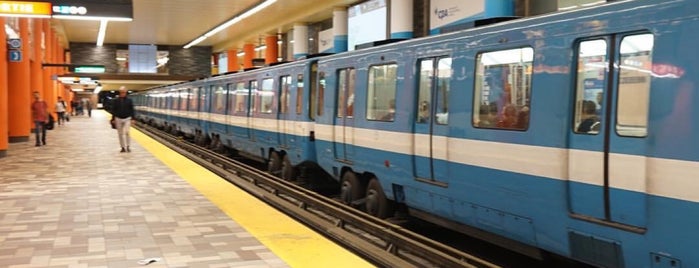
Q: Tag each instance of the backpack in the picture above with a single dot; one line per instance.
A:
(49, 125)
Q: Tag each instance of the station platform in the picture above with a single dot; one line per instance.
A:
(79, 202)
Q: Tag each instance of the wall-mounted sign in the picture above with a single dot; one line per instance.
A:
(15, 55)
(14, 43)
(113, 9)
(21, 8)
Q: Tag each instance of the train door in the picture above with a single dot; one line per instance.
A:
(284, 124)
(343, 136)
(429, 141)
(607, 162)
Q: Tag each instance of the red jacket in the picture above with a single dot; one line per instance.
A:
(39, 111)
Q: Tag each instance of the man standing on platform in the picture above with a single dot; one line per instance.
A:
(40, 115)
(123, 112)
(61, 110)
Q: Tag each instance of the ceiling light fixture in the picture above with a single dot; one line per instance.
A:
(102, 32)
(230, 22)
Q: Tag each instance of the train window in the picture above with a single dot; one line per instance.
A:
(635, 61)
(425, 90)
(265, 96)
(443, 77)
(503, 88)
(381, 93)
(592, 65)
(193, 100)
(321, 93)
(218, 99)
(299, 94)
(284, 92)
(252, 105)
(183, 96)
(345, 94)
(203, 98)
(241, 94)
(230, 108)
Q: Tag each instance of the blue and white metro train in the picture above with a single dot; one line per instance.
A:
(573, 133)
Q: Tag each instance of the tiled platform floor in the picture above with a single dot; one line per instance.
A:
(78, 202)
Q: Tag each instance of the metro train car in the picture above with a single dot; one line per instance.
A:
(571, 133)
(258, 113)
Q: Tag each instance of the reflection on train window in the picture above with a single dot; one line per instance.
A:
(636, 60)
(218, 99)
(425, 90)
(203, 99)
(265, 96)
(241, 94)
(590, 86)
(284, 93)
(381, 92)
(503, 88)
(345, 94)
(184, 98)
(443, 76)
(299, 94)
(252, 105)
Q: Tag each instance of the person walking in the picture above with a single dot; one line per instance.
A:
(60, 110)
(123, 112)
(40, 116)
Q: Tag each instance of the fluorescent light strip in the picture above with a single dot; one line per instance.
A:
(26, 16)
(231, 22)
(102, 32)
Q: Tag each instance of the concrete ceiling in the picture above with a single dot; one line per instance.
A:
(178, 22)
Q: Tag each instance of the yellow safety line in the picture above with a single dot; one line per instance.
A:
(296, 244)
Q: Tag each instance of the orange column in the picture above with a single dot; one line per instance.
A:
(271, 50)
(50, 89)
(37, 75)
(19, 98)
(47, 85)
(3, 94)
(233, 65)
(249, 50)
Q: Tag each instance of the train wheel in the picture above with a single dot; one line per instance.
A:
(274, 164)
(376, 203)
(351, 189)
(287, 173)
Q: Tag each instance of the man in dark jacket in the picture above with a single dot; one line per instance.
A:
(122, 112)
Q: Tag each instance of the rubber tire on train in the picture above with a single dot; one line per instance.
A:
(351, 188)
(287, 170)
(376, 203)
(274, 164)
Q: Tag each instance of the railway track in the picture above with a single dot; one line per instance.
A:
(380, 242)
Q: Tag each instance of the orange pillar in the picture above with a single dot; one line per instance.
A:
(19, 98)
(37, 75)
(47, 85)
(3, 94)
(50, 89)
(233, 65)
(271, 50)
(249, 50)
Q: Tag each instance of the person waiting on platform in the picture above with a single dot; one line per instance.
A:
(123, 112)
(40, 117)
(61, 110)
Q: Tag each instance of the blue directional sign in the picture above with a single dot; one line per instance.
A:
(15, 55)
(14, 43)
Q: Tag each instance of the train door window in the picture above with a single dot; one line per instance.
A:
(252, 105)
(266, 96)
(299, 94)
(203, 98)
(194, 100)
(321, 93)
(381, 93)
(284, 93)
(635, 61)
(182, 99)
(313, 84)
(230, 96)
(425, 90)
(503, 88)
(218, 99)
(345, 94)
(241, 94)
(443, 77)
(592, 67)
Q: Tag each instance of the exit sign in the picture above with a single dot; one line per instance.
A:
(89, 69)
